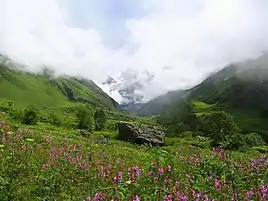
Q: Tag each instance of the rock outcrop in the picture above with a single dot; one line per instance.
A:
(141, 134)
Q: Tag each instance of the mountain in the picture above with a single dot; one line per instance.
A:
(44, 89)
(157, 106)
(241, 88)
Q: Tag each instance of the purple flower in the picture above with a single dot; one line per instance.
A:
(120, 176)
(99, 196)
(167, 180)
(218, 184)
(153, 164)
(168, 198)
(3, 123)
(44, 166)
(136, 198)
(151, 173)
(264, 191)
(88, 199)
(160, 171)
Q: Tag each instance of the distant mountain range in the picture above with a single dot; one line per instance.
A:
(242, 88)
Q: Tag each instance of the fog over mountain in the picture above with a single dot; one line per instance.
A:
(134, 50)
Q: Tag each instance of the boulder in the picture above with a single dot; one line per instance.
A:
(141, 134)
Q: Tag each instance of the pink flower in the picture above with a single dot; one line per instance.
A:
(167, 180)
(264, 191)
(168, 198)
(218, 184)
(136, 198)
(3, 123)
(169, 168)
(100, 196)
(153, 164)
(88, 199)
(160, 171)
(44, 166)
(120, 176)
(155, 180)
(151, 173)
(79, 157)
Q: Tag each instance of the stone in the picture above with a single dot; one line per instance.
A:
(141, 134)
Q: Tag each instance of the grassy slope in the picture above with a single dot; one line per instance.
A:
(25, 89)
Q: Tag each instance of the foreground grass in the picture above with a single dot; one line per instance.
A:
(43, 165)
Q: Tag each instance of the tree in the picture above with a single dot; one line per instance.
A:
(84, 118)
(221, 128)
(30, 116)
(100, 119)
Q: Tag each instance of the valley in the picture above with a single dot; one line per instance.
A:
(60, 139)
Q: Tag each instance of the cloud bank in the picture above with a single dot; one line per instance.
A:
(178, 42)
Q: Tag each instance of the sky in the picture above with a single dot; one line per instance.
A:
(148, 46)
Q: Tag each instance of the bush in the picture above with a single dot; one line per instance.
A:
(16, 114)
(84, 118)
(222, 129)
(254, 139)
(100, 120)
(30, 116)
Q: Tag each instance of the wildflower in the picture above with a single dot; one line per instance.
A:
(54, 153)
(155, 180)
(160, 171)
(169, 168)
(136, 198)
(167, 180)
(3, 123)
(153, 164)
(120, 176)
(264, 191)
(206, 198)
(151, 173)
(88, 199)
(134, 172)
(168, 198)
(211, 178)
(79, 157)
(44, 166)
(250, 194)
(218, 184)
(99, 196)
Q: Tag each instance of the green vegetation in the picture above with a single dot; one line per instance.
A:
(59, 141)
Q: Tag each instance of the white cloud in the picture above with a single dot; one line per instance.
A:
(178, 41)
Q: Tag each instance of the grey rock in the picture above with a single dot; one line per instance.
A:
(141, 134)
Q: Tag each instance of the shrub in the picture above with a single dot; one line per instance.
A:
(100, 119)
(30, 116)
(253, 139)
(221, 128)
(16, 114)
(84, 118)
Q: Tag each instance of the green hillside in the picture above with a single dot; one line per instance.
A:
(37, 89)
(241, 89)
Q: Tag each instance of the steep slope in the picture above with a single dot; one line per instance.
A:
(241, 88)
(157, 106)
(39, 89)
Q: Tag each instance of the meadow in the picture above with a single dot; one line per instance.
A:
(37, 163)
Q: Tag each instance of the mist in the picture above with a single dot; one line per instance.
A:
(166, 45)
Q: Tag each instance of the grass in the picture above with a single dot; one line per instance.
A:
(45, 162)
